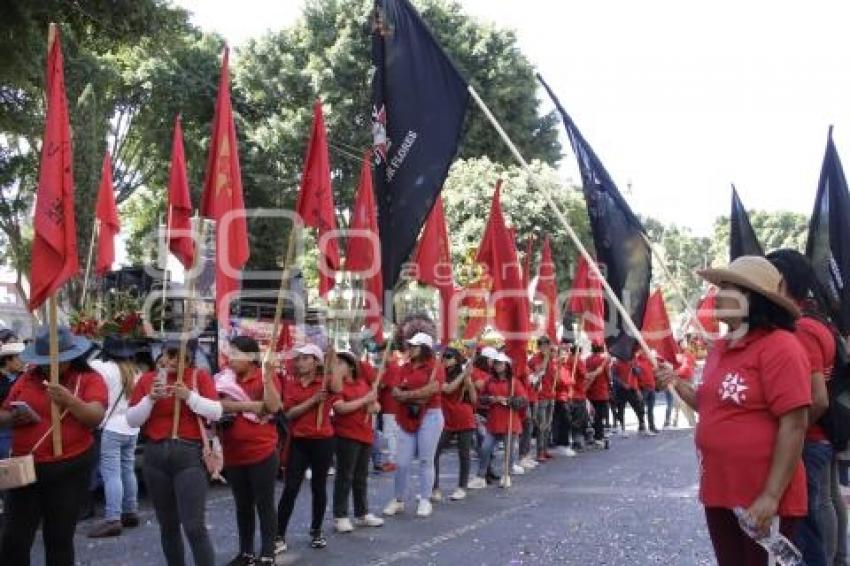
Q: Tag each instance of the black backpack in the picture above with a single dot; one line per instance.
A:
(836, 420)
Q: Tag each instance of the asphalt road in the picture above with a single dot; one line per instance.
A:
(632, 504)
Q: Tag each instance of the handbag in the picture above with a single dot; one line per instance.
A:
(212, 453)
(19, 471)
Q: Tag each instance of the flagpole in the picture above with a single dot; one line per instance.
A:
(94, 232)
(627, 320)
(187, 319)
(168, 221)
(54, 373)
(677, 289)
(294, 234)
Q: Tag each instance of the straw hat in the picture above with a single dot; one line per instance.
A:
(756, 274)
(70, 348)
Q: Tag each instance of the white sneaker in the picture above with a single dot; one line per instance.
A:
(569, 452)
(476, 483)
(436, 496)
(517, 470)
(369, 520)
(425, 508)
(343, 525)
(394, 507)
(308, 475)
(331, 471)
(458, 494)
(528, 463)
(647, 433)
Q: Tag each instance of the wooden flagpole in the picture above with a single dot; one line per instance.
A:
(383, 369)
(188, 309)
(506, 474)
(95, 230)
(627, 320)
(165, 271)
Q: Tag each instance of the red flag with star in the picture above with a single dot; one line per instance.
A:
(434, 262)
(315, 199)
(54, 248)
(222, 200)
(106, 213)
(364, 252)
(179, 211)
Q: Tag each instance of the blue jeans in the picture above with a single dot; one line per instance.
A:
(423, 445)
(117, 462)
(814, 534)
(487, 447)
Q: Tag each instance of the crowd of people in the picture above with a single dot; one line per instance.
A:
(324, 413)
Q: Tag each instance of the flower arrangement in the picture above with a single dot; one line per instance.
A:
(118, 314)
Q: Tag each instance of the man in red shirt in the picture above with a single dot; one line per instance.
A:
(543, 378)
(646, 381)
(626, 390)
(598, 390)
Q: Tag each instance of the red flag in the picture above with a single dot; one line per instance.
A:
(475, 301)
(526, 271)
(315, 199)
(284, 338)
(222, 199)
(434, 262)
(656, 328)
(547, 286)
(364, 253)
(54, 248)
(179, 211)
(588, 300)
(705, 311)
(498, 253)
(107, 215)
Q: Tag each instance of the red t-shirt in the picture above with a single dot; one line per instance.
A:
(159, 423)
(599, 387)
(646, 373)
(746, 388)
(546, 390)
(389, 406)
(247, 442)
(304, 426)
(356, 425)
(412, 377)
(687, 366)
(76, 437)
(458, 414)
(818, 342)
(624, 374)
(499, 415)
(564, 389)
(579, 380)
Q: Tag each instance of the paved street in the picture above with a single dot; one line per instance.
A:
(633, 504)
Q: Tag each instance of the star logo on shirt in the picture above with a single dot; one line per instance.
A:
(733, 388)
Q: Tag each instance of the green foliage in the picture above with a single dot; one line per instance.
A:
(779, 229)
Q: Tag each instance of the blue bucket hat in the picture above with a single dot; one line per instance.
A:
(71, 347)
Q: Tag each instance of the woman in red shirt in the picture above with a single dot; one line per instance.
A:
(174, 471)
(306, 395)
(753, 405)
(598, 388)
(61, 485)
(505, 396)
(420, 421)
(353, 409)
(249, 440)
(684, 370)
(459, 399)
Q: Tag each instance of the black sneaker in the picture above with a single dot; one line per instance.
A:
(244, 559)
(279, 545)
(317, 540)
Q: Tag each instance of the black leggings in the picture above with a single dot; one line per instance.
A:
(177, 484)
(635, 400)
(253, 492)
(561, 423)
(464, 445)
(316, 454)
(54, 500)
(352, 476)
(600, 414)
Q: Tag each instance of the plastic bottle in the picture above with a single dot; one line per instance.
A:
(778, 547)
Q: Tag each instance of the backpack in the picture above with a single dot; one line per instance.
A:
(836, 420)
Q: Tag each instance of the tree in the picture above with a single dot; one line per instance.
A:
(326, 54)
(129, 66)
(775, 229)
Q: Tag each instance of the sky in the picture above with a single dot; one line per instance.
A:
(679, 99)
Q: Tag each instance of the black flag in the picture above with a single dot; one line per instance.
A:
(618, 236)
(419, 102)
(828, 245)
(742, 237)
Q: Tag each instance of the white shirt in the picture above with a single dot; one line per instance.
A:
(118, 419)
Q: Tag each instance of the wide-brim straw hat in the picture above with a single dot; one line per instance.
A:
(756, 274)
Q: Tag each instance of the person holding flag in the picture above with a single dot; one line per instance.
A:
(543, 366)
(598, 365)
